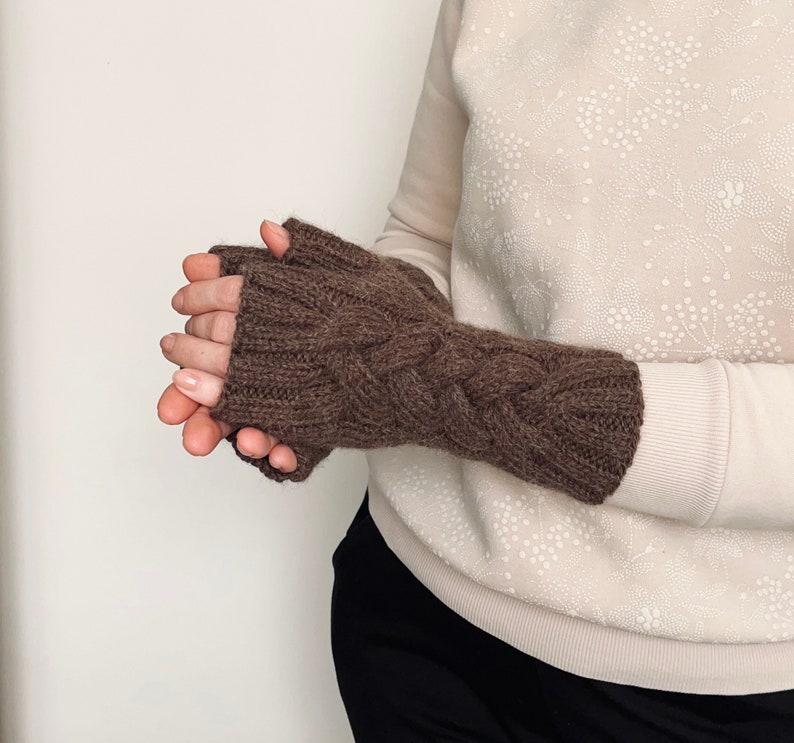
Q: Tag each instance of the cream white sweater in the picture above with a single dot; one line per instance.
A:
(617, 174)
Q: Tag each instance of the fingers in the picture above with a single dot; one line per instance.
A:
(255, 443)
(173, 407)
(283, 458)
(275, 237)
(204, 266)
(196, 353)
(209, 295)
(199, 386)
(213, 326)
(208, 291)
(201, 267)
(212, 301)
(202, 433)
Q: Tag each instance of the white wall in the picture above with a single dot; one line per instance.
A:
(149, 596)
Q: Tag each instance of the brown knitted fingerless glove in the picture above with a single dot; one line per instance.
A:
(336, 346)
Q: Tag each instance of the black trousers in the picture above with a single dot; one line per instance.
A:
(410, 669)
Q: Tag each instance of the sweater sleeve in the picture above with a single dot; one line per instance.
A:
(716, 446)
(422, 214)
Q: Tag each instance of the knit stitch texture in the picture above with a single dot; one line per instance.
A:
(336, 346)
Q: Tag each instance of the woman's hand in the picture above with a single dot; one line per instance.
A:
(203, 352)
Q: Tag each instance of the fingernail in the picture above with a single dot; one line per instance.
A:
(178, 301)
(181, 378)
(167, 342)
(276, 228)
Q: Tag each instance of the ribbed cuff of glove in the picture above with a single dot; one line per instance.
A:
(336, 346)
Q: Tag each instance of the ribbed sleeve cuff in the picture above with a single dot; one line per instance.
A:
(678, 470)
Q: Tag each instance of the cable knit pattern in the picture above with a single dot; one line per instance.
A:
(336, 346)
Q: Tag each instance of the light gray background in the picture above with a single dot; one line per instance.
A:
(147, 595)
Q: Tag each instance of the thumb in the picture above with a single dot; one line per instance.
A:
(275, 237)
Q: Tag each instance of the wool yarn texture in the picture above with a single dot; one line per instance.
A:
(336, 346)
